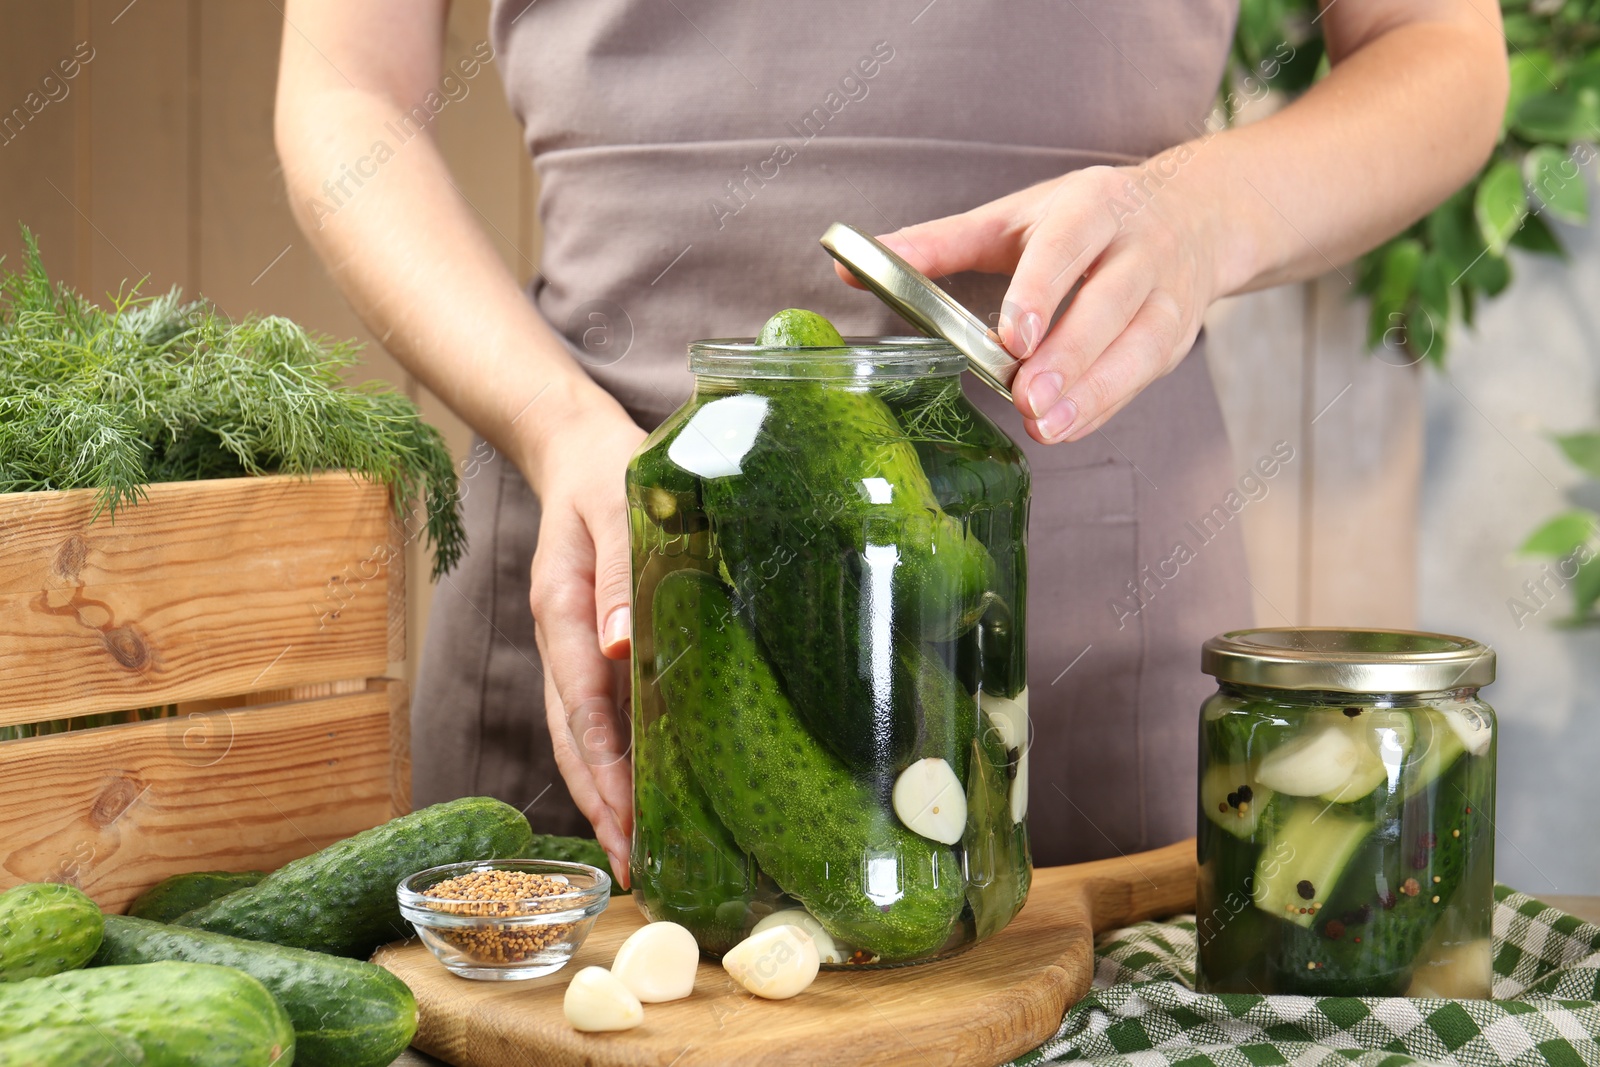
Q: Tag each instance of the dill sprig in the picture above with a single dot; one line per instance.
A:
(156, 389)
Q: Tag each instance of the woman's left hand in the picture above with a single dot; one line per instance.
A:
(1140, 246)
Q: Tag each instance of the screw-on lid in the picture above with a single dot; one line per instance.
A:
(923, 304)
(1348, 661)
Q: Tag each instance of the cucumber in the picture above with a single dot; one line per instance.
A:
(999, 868)
(181, 1014)
(989, 657)
(46, 928)
(172, 897)
(1366, 940)
(798, 328)
(823, 836)
(71, 1046)
(346, 1013)
(836, 544)
(573, 850)
(945, 713)
(1303, 859)
(1232, 798)
(341, 900)
(1245, 733)
(1232, 935)
(688, 867)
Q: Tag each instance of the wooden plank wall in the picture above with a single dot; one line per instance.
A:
(157, 161)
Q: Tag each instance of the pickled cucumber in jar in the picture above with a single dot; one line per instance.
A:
(808, 602)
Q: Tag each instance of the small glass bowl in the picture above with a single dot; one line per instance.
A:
(505, 940)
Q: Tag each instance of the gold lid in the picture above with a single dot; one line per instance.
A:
(1348, 661)
(922, 303)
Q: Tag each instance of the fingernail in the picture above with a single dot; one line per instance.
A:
(1026, 333)
(1043, 391)
(616, 631)
(1057, 422)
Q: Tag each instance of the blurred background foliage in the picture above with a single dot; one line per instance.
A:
(1424, 280)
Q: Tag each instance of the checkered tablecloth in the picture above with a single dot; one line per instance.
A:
(1143, 1010)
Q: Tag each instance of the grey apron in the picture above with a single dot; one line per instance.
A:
(689, 154)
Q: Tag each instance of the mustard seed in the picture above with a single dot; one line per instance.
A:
(500, 893)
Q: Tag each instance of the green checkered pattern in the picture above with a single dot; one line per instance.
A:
(1143, 1010)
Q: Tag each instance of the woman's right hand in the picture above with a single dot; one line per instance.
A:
(580, 600)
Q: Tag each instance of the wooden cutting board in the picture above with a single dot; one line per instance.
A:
(985, 1006)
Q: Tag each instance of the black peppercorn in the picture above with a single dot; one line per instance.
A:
(1306, 889)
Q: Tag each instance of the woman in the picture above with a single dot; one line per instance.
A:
(689, 155)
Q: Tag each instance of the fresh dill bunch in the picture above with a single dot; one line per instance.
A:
(156, 389)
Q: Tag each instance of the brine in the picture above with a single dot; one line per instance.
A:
(830, 703)
(1346, 843)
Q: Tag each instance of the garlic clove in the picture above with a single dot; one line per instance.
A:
(597, 1001)
(1010, 718)
(930, 801)
(777, 963)
(657, 962)
(828, 950)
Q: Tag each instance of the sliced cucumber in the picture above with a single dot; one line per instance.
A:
(1384, 739)
(1304, 857)
(1436, 751)
(1323, 760)
(1232, 799)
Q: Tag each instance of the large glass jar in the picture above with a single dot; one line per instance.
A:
(830, 712)
(1346, 837)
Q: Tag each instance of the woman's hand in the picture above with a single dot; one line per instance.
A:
(579, 595)
(1147, 276)
(1410, 109)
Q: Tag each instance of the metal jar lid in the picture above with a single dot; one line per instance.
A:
(1348, 661)
(922, 303)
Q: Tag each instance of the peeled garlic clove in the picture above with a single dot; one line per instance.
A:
(1010, 718)
(828, 950)
(597, 1001)
(657, 962)
(776, 964)
(930, 801)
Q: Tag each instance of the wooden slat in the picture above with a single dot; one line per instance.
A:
(399, 748)
(116, 809)
(206, 589)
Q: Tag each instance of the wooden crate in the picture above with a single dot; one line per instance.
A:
(266, 611)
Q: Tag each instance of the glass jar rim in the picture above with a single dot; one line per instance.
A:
(859, 357)
(1348, 660)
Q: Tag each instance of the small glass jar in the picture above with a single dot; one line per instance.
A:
(1346, 829)
(830, 712)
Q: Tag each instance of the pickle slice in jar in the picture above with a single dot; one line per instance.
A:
(1233, 799)
(1304, 857)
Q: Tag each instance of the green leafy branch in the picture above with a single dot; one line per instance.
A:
(1569, 538)
(156, 389)
(1439, 269)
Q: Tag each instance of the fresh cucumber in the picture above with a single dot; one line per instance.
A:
(71, 1046)
(172, 897)
(181, 1014)
(573, 850)
(688, 867)
(823, 836)
(998, 865)
(46, 928)
(1368, 937)
(341, 900)
(346, 1013)
(798, 328)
